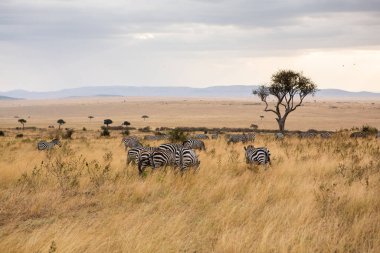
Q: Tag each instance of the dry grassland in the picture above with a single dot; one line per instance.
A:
(173, 112)
(318, 196)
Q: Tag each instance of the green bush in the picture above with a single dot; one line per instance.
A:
(19, 135)
(369, 129)
(177, 135)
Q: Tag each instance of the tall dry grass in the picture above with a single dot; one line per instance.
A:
(318, 196)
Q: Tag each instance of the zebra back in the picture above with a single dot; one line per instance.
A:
(42, 145)
(201, 136)
(173, 147)
(259, 155)
(194, 144)
(186, 158)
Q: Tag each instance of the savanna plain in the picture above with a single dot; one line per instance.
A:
(318, 195)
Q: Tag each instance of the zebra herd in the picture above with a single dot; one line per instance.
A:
(182, 155)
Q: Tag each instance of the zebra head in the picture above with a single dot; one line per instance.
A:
(56, 142)
(248, 147)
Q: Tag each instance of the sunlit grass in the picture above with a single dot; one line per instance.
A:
(318, 196)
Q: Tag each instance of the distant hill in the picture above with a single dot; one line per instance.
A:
(7, 98)
(213, 91)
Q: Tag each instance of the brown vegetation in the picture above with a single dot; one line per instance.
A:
(319, 195)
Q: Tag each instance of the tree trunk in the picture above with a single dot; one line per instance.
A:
(22, 127)
(59, 126)
(281, 124)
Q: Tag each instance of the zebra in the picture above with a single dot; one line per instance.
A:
(201, 136)
(307, 135)
(279, 136)
(234, 138)
(214, 136)
(155, 159)
(155, 137)
(173, 147)
(42, 145)
(325, 135)
(131, 142)
(134, 153)
(186, 158)
(194, 144)
(257, 155)
(358, 135)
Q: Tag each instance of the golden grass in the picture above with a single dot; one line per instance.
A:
(318, 196)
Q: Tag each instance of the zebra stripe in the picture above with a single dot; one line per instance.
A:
(155, 137)
(307, 135)
(201, 136)
(173, 147)
(131, 142)
(257, 155)
(42, 145)
(234, 138)
(134, 153)
(325, 135)
(186, 158)
(159, 158)
(194, 144)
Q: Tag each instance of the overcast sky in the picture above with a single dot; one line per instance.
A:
(54, 44)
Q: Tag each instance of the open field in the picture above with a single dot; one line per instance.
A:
(318, 196)
(172, 112)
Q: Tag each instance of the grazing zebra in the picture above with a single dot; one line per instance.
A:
(201, 136)
(155, 137)
(42, 145)
(279, 136)
(194, 144)
(131, 142)
(307, 135)
(214, 136)
(358, 135)
(325, 135)
(172, 147)
(156, 159)
(234, 138)
(186, 158)
(257, 155)
(134, 153)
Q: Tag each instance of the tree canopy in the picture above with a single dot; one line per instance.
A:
(289, 89)
(108, 122)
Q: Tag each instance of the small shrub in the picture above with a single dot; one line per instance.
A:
(2, 133)
(145, 129)
(177, 135)
(125, 132)
(84, 129)
(369, 129)
(68, 134)
(19, 135)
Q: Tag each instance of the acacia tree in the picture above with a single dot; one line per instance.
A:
(145, 117)
(126, 123)
(60, 122)
(22, 121)
(90, 117)
(108, 122)
(289, 89)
